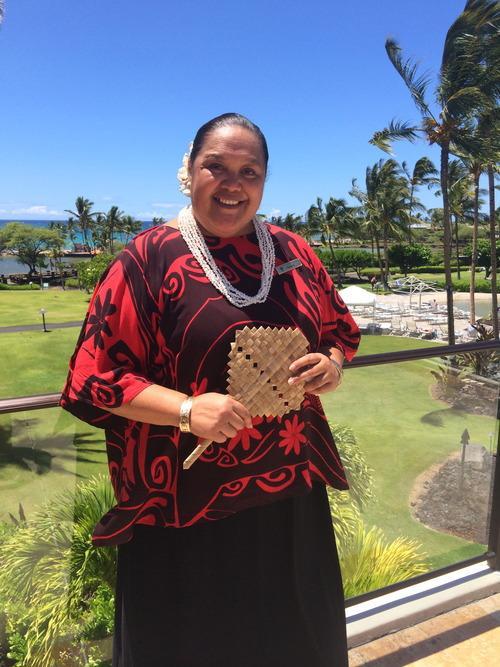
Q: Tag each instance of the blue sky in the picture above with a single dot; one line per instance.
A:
(101, 97)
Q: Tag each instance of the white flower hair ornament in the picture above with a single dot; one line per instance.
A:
(183, 173)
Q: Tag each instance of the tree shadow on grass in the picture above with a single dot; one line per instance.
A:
(34, 459)
(436, 417)
(88, 438)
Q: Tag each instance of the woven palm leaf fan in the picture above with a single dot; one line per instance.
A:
(258, 374)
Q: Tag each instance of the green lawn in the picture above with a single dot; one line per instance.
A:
(34, 362)
(403, 431)
(464, 275)
(24, 307)
(43, 452)
(401, 428)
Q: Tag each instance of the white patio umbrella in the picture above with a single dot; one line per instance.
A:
(413, 285)
(357, 296)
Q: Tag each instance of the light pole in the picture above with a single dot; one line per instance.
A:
(42, 312)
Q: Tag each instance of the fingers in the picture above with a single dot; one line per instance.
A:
(319, 374)
(218, 417)
(314, 364)
(243, 414)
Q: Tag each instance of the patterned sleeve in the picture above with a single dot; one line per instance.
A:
(117, 354)
(338, 328)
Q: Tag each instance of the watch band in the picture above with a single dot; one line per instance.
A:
(185, 415)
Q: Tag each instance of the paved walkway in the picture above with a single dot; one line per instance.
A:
(464, 637)
(39, 327)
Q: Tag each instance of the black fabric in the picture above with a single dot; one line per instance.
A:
(259, 589)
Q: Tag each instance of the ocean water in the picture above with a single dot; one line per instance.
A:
(11, 265)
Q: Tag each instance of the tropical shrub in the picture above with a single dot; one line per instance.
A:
(483, 254)
(367, 559)
(49, 567)
(407, 256)
(90, 272)
(481, 285)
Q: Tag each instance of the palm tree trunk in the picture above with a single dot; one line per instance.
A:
(493, 243)
(379, 258)
(410, 210)
(335, 266)
(473, 259)
(445, 152)
(456, 244)
(386, 259)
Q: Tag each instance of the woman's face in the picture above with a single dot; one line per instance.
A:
(227, 181)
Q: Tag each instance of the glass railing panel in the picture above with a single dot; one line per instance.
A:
(427, 431)
(56, 591)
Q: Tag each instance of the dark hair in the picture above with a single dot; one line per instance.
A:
(225, 120)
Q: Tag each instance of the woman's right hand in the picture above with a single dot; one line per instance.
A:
(217, 417)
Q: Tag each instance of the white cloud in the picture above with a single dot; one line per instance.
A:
(106, 198)
(166, 205)
(274, 212)
(149, 215)
(35, 210)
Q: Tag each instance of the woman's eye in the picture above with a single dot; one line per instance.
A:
(250, 172)
(216, 167)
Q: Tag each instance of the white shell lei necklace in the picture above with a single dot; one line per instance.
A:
(196, 243)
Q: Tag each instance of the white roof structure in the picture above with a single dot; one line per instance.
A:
(357, 296)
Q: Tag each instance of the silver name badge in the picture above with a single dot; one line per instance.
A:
(288, 266)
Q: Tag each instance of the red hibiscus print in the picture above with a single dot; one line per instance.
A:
(97, 325)
(292, 435)
(197, 389)
(244, 436)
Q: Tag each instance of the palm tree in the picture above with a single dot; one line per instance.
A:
(113, 222)
(333, 221)
(290, 222)
(385, 207)
(480, 147)
(459, 95)
(424, 173)
(461, 200)
(2, 11)
(84, 217)
(130, 227)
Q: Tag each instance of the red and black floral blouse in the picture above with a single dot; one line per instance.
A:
(155, 318)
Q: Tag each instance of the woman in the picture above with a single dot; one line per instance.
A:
(232, 562)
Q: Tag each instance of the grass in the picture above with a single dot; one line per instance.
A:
(403, 431)
(34, 362)
(18, 308)
(400, 427)
(42, 453)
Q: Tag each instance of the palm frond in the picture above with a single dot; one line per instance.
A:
(396, 131)
(408, 71)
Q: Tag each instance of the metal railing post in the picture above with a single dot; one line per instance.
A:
(494, 527)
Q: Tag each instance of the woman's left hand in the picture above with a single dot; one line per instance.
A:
(319, 374)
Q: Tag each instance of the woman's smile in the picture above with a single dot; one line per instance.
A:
(227, 181)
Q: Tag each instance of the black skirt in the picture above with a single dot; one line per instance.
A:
(259, 589)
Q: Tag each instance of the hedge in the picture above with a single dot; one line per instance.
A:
(19, 288)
